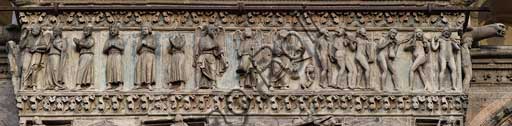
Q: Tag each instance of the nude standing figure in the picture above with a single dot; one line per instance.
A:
(417, 43)
(447, 48)
(387, 52)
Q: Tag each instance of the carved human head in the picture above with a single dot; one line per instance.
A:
(361, 32)
(418, 33)
(146, 30)
(114, 29)
(210, 30)
(248, 32)
(392, 33)
(57, 30)
(446, 32)
(324, 31)
(178, 118)
(341, 32)
(283, 33)
(36, 29)
(88, 30)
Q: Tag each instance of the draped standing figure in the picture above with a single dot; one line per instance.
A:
(114, 47)
(56, 60)
(85, 74)
(177, 67)
(145, 68)
(210, 58)
(28, 38)
(38, 61)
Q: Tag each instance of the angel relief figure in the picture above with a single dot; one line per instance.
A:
(246, 51)
(210, 60)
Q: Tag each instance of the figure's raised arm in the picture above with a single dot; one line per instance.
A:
(435, 43)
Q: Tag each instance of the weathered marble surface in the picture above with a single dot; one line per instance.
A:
(287, 58)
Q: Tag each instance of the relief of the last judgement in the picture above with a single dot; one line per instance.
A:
(274, 66)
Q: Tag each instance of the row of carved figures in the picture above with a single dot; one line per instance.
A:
(349, 55)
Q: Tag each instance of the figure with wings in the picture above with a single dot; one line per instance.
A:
(246, 51)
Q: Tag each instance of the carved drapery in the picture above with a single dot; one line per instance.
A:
(322, 63)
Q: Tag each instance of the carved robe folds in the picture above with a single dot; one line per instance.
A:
(210, 61)
(29, 37)
(114, 48)
(39, 58)
(56, 61)
(145, 68)
(176, 69)
(85, 73)
(246, 52)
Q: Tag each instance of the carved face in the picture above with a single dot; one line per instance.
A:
(283, 33)
(341, 32)
(178, 118)
(87, 31)
(446, 33)
(146, 30)
(114, 30)
(210, 30)
(36, 30)
(418, 33)
(248, 32)
(500, 29)
(362, 32)
(324, 31)
(57, 31)
(392, 33)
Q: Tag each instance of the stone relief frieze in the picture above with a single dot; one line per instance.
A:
(98, 104)
(121, 62)
(347, 51)
(261, 19)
